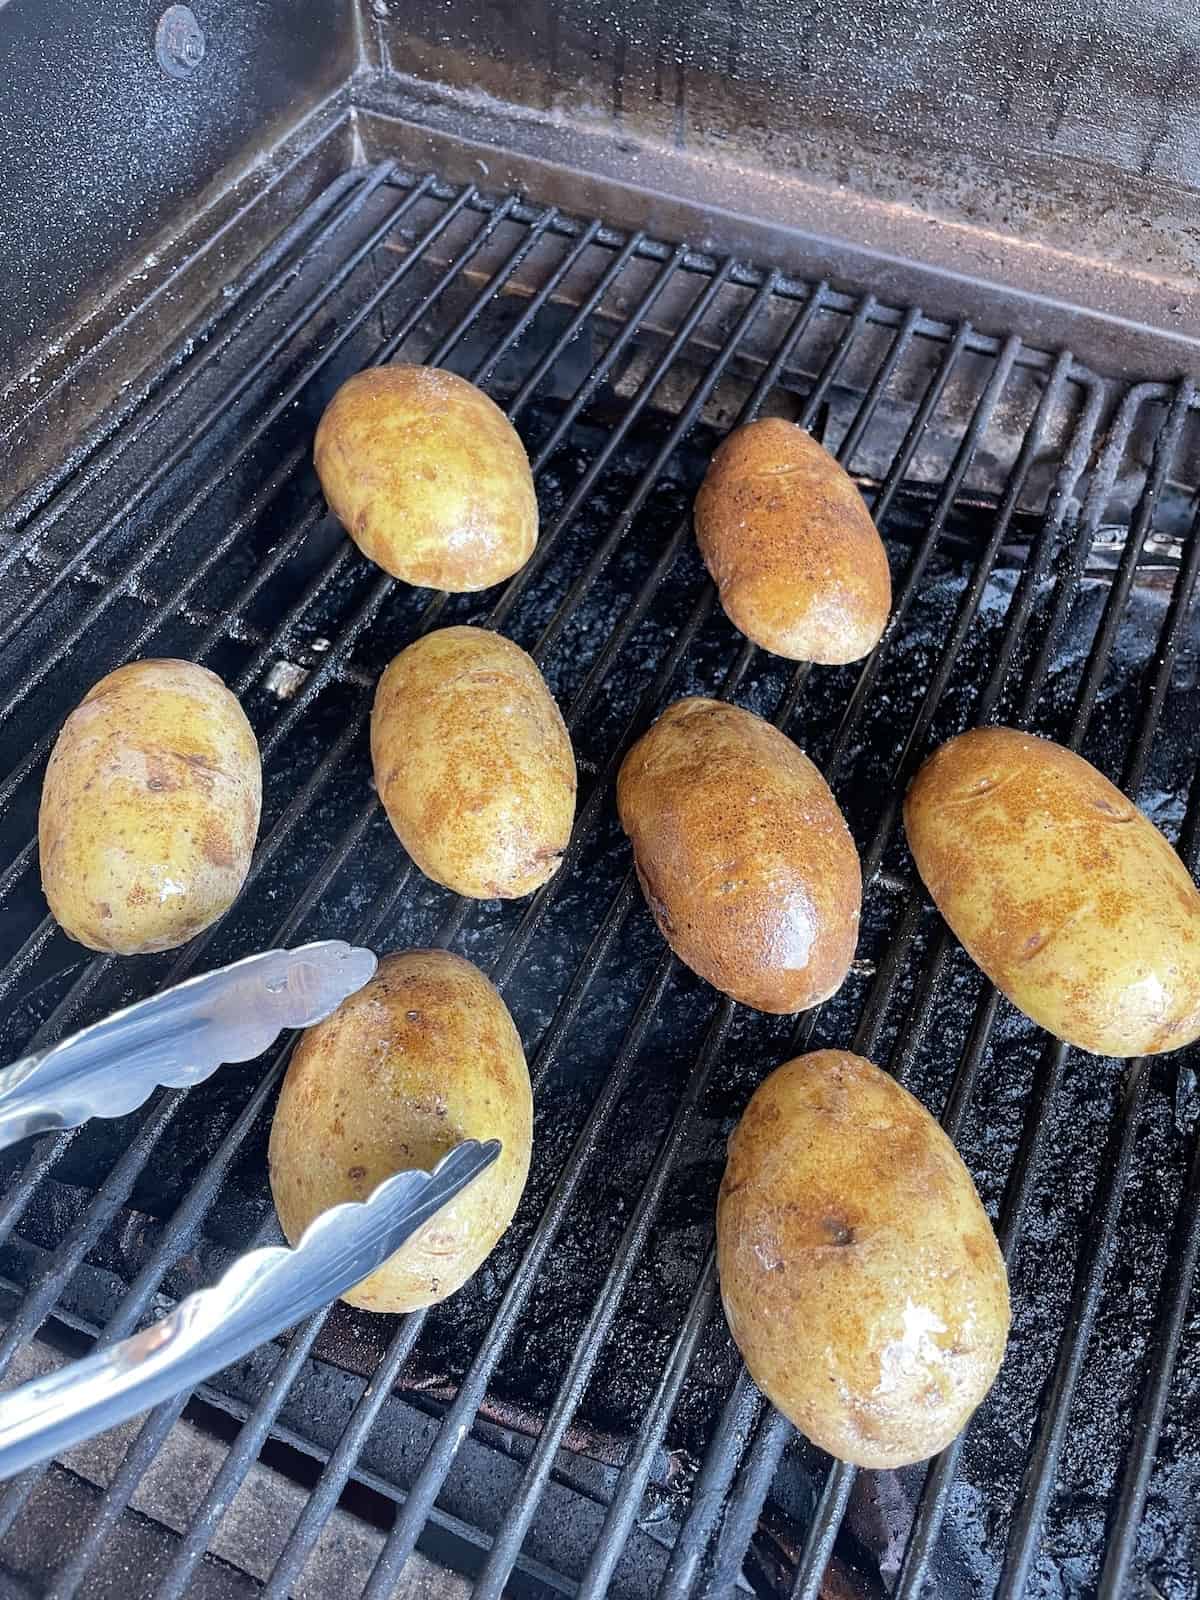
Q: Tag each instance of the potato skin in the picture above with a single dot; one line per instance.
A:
(791, 547)
(473, 763)
(859, 1272)
(744, 858)
(1070, 900)
(428, 477)
(149, 809)
(422, 1057)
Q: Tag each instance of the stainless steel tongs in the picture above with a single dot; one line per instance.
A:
(175, 1039)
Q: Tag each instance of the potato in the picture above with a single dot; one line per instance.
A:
(149, 808)
(1069, 898)
(473, 763)
(791, 547)
(742, 854)
(422, 1057)
(859, 1272)
(428, 477)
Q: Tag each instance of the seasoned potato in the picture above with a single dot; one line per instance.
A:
(422, 1057)
(791, 547)
(149, 808)
(742, 854)
(1069, 899)
(428, 477)
(473, 763)
(859, 1272)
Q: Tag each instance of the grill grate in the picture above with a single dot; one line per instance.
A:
(634, 1455)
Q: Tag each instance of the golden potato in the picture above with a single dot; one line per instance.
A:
(791, 547)
(859, 1272)
(743, 856)
(422, 1057)
(473, 763)
(428, 477)
(149, 808)
(1070, 900)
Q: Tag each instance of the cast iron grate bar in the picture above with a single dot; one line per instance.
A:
(837, 1489)
(246, 1449)
(1040, 1474)
(33, 513)
(588, 268)
(121, 1177)
(508, 1542)
(67, 1009)
(836, 1493)
(36, 1305)
(425, 1489)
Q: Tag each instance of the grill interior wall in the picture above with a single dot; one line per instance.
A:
(198, 530)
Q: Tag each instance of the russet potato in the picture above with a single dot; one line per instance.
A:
(149, 809)
(744, 858)
(791, 547)
(473, 763)
(1070, 900)
(423, 1056)
(428, 477)
(860, 1275)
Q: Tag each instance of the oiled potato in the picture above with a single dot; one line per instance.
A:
(1069, 899)
(149, 808)
(422, 1057)
(791, 547)
(859, 1272)
(428, 477)
(473, 763)
(743, 856)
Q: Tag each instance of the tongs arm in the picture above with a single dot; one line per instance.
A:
(261, 1294)
(178, 1037)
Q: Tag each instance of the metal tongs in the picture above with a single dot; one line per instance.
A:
(175, 1039)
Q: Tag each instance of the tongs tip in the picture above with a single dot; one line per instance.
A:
(322, 975)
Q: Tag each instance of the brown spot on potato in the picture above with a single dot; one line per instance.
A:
(161, 776)
(976, 1247)
(216, 845)
(661, 913)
